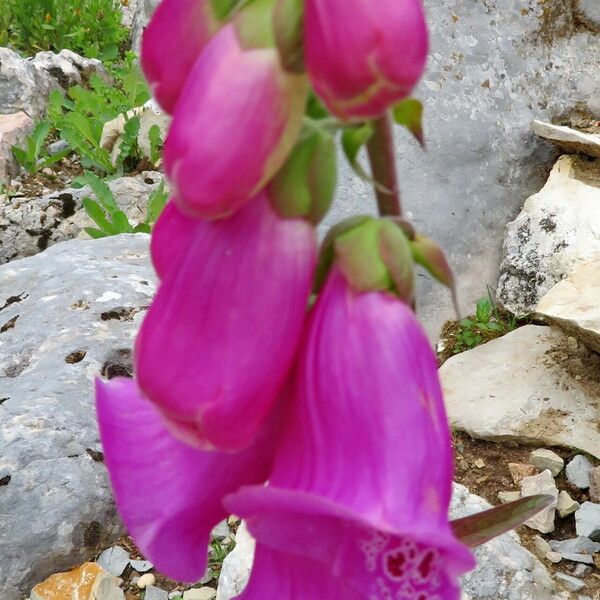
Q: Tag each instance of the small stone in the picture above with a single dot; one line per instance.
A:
(572, 343)
(154, 593)
(146, 580)
(595, 484)
(57, 147)
(587, 521)
(582, 570)
(141, 566)
(73, 584)
(203, 593)
(175, 595)
(506, 497)
(221, 530)
(578, 545)
(520, 470)
(571, 583)
(578, 558)
(554, 557)
(106, 588)
(233, 520)
(541, 484)
(541, 545)
(578, 471)
(114, 560)
(48, 171)
(479, 463)
(544, 459)
(566, 505)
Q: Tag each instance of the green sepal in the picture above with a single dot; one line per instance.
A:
(480, 528)
(288, 26)
(353, 139)
(409, 113)
(223, 8)
(304, 186)
(396, 254)
(430, 256)
(254, 24)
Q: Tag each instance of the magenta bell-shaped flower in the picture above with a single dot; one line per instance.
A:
(218, 341)
(357, 502)
(237, 120)
(364, 55)
(173, 40)
(169, 494)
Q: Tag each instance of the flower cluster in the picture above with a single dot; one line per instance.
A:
(242, 377)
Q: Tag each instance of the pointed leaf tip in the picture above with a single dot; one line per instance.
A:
(480, 528)
(409, 113)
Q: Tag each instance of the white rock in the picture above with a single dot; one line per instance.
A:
(587, 521)
(542, 547)
(221, 531)
(544, 459)
(569, 139)
(142, 12)
(23, 87)
(114, 560)
(582, 570)
(146, 580)
(14, 128)
(237, 565)
(578, 545)
(570, 582)
(506, 497)
(525, 391)
(203, 593)
(572, 304)
(554, 557)
(590, 12)
(578, 471)
(558, 228)
(141, 566)
(541, 484)
(106, 588)
(566, 505)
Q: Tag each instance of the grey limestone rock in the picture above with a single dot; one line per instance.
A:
(67, 315)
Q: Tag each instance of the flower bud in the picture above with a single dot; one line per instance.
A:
(236, 122)
(305, 185)
(173, 40)
(364, 55)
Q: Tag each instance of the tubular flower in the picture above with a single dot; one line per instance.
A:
(361, 483)
(176, 35)
(237, 120)
(364, 55)
(169, 494)
(219, 339)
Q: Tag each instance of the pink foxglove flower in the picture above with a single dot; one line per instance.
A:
(219, 339)
(176, 35)
(169, 495)
(364, 55)
(237, 120)
(357, 503)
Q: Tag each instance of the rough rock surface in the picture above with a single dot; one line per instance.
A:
(68, 67)
(493, 68)
(14, 128)
(141, 15)
(573, 304)
(529, 386)
(29, 225)
(558, 228)
(505, 570)
(23, 87)
(66, 316)
(237, 565)
(569, 139)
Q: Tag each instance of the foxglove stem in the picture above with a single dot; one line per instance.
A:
(383, 168)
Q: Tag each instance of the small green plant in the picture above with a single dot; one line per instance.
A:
(34, 156)
(107, 215)
(486, 324)
(218, 553)
(89, 27)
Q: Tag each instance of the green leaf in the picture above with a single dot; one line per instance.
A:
(129, 146)
(142, 228)
(409, 113)
(482, 527)
(483, 311)
(353, 139)
(94, 233)
(97, 214)
(102, 191)
(23, 158)
(156, 203)
(121, 223)
(156, 143)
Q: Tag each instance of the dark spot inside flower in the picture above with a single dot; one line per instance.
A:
(424, 567)
(96, 456)
(75, 357)
(9, 324)
(5, 480)
(395, 564)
